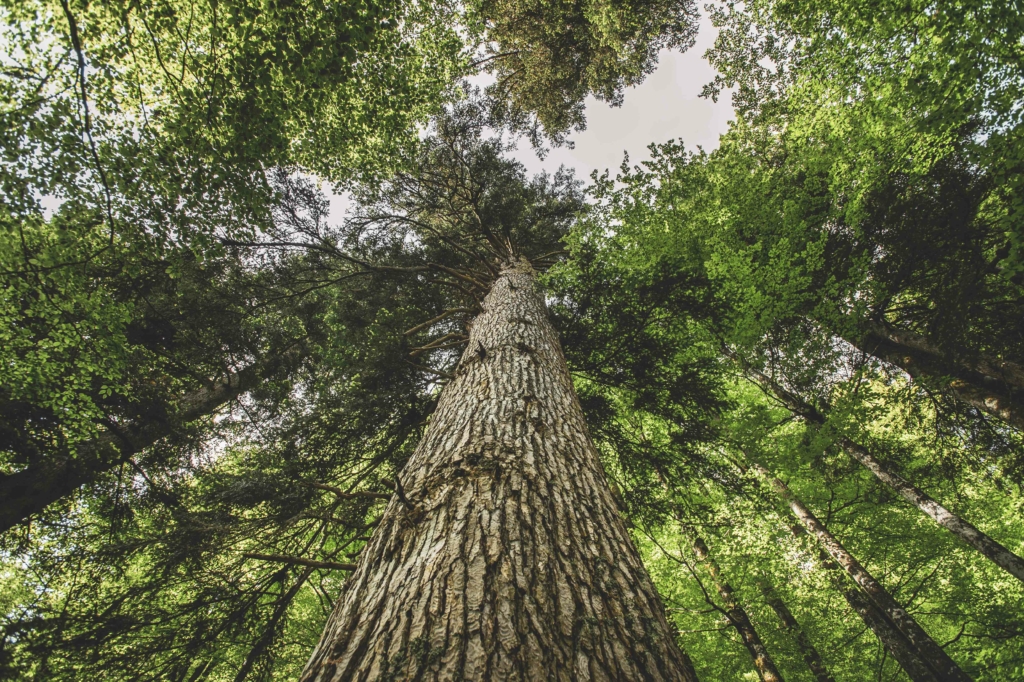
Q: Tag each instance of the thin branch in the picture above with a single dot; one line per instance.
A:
(434, 320)
(416, 352)
(300, 561)
(364, 494)
(423, 368)
(464, 277)
(76, 42)
(481, 62)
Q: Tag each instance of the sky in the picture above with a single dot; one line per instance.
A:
(666, 106)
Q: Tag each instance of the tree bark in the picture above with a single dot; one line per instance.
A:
(989, 385)
(980, 541)
(945, 669)
(507, 559)
(993, 550)
(894, 641)
(767, 671)
(39, 485)
(807, 649)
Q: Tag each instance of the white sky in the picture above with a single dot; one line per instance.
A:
(665, 106)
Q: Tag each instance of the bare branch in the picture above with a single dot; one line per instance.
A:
(301, 561)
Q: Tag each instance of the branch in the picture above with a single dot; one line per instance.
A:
(455, 273)
(300, 561)
(423, 368)
(346, 495)
(438, 344)
(76, 42)
(447, 313)
(481, 62)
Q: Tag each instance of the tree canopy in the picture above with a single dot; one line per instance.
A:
(800, 355)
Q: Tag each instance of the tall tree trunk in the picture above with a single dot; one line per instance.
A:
(996, 552)
(502, 555)
(945, 669)
(767, 671)
(992, 386)
(807, 649)
(894, 641)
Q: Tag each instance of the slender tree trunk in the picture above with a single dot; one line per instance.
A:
(807, 649)
(894, 641)
(1000, 555)
(767, 671)
(53, 477)
(502, 555)
(931, 653)
(992, 386)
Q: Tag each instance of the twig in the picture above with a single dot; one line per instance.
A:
(346, 495)
(300, 561)
(434, 320)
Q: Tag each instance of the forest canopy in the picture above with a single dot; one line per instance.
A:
(747, 413)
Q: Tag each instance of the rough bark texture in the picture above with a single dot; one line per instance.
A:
(1000, 555)
(507, 558)
(807, 649)
(945, 669)
(989, 385)
(767, 671)
(32, 489)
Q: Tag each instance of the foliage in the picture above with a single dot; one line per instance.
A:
(549, 56)
(164, 233)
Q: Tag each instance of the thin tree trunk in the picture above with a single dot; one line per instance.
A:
(945, 669)
(996, 552)
(53, 477)
(767, 671)
(894, 641)
(807, 649)
(999, 555)
(990, 385)
(502, 555)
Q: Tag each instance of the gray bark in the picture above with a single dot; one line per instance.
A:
(55, 476)
(894, 641)
(996, 552)
(990, 385)
(767, 671)
(980, 541)
(807, 649)
(503, 556)
(945, 669)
